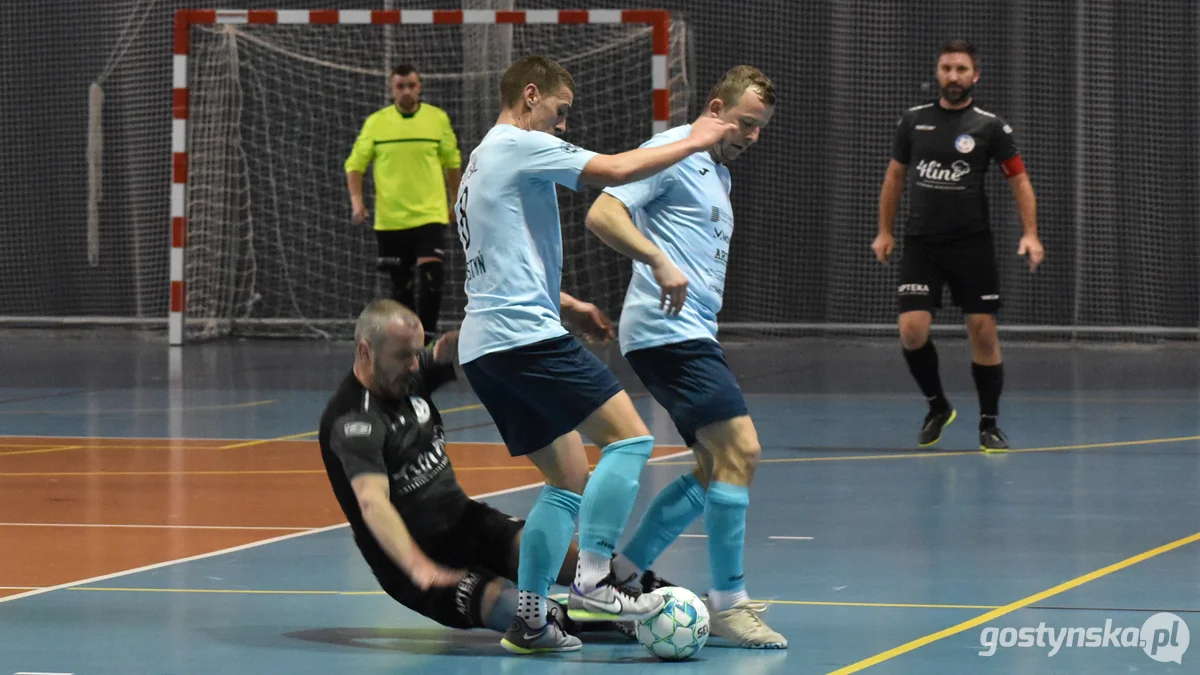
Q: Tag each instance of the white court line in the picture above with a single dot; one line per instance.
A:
(28, 672)
(163, 527)
(791, 538)
(255, 544)
(693, 536)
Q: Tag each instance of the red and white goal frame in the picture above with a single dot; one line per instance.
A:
(657, 20)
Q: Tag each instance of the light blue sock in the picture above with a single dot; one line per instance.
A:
(546, 539)
(610, 493)
(669, 515)
(725, 520)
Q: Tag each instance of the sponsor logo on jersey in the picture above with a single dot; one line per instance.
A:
(932, 170)
(357, 429)
(420, 407)
(425, 467)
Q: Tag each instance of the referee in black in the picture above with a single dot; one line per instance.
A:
(948, 240)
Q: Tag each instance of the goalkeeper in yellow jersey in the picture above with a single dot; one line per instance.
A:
(417, 164)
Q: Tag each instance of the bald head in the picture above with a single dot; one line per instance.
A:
(388, 339)
(375, 319)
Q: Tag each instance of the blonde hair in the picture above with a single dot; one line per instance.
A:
(736, 81)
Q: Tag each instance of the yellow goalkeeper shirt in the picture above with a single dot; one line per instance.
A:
(410, 153)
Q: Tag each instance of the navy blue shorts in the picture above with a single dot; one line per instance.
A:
(692, 380)
(541, 391)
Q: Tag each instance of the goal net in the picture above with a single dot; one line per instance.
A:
(267, 107)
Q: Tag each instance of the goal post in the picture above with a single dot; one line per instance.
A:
(259, 217)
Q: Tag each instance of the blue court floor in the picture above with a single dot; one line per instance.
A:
(874, 555)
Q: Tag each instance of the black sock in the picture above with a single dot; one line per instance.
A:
(923, 364)
(430, 277)
(989, 381)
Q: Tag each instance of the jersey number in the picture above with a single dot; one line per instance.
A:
(464, 230)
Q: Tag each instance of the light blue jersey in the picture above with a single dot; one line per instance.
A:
(508, 224)
(685, 211)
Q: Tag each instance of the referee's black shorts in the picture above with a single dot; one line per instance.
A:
(483, 542)
(402, 248)
(966, 264)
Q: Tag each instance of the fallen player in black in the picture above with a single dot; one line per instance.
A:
(431, 547)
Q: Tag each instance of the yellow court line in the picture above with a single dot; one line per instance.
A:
(847, 458)
(1114, 444)
(228, 472)
(311, 592)
(525, 467)
(124, 411)
(250, 591)
(462, 408)
(156, 448)
(1013, 606)
(306, 434)
(236, 472)
(39, 451)
(875, 605)
(264, 441)
(263, 591)
(961, 453)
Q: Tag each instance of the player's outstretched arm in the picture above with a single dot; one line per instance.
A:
(393, 536)
(634, 165)
(1031, 245)
(610, 220)
(889, 203)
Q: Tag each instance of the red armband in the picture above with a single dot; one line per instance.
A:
(1013, 166)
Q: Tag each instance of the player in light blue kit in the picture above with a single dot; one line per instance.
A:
(537, 381)
(685, 212)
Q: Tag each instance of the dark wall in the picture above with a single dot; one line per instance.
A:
(1102, 95)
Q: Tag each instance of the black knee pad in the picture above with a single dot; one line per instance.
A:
(458, 606)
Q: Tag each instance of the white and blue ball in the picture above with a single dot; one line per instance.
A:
(680, 630)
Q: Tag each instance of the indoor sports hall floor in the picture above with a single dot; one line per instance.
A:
(168, 514)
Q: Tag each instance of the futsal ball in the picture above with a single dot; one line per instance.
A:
(680, 630)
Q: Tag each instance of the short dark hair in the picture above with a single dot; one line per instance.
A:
(959, 47)
(737, 80)
(404, 70)
(540, 71)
